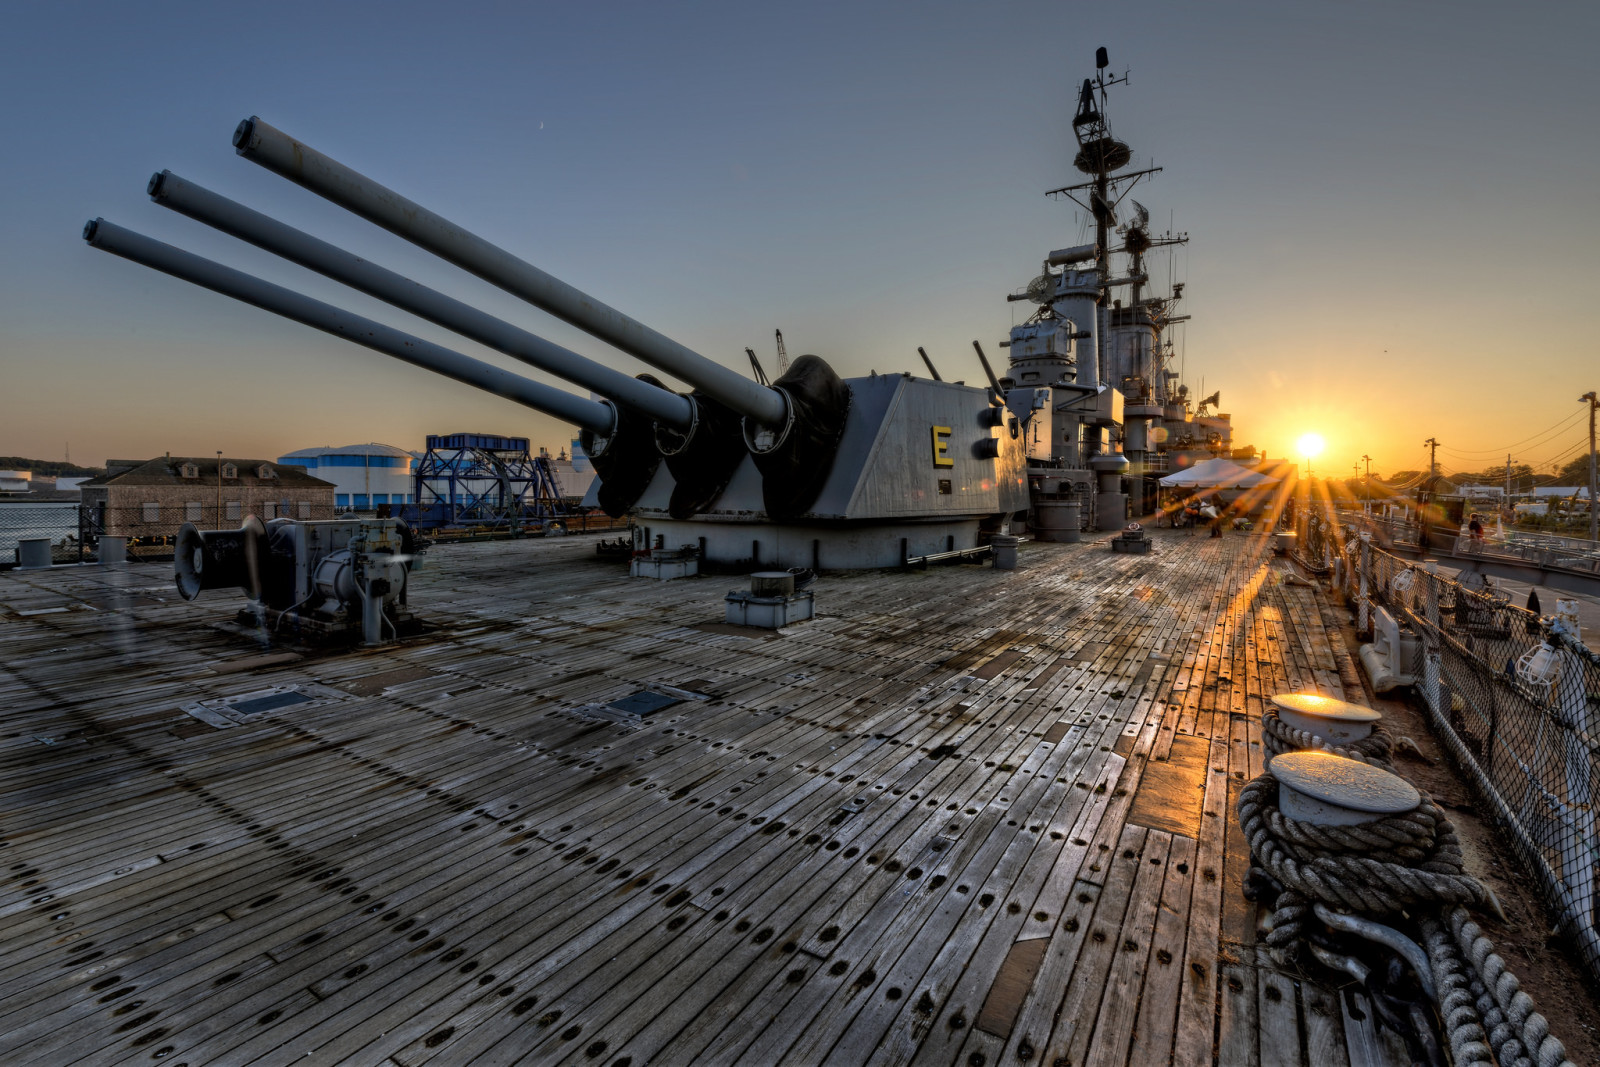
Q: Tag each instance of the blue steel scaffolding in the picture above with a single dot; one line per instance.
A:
(477, 479)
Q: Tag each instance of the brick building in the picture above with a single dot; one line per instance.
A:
(154, 498)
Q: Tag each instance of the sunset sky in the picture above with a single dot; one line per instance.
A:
(1392, 207)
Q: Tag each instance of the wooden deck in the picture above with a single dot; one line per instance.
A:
(962, 817)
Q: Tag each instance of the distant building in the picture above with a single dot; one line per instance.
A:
(69, 485)
(363, 476)
(16, 482)
(1545, 492)
(574, 474)
(153, 498)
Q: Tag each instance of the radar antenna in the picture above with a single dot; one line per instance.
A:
(1099, 155)
(783, 355)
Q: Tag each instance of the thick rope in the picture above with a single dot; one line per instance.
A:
(1469, 1046)
(1386, 867)
(1419, 856)
(1518, 1032)
(1279, 737)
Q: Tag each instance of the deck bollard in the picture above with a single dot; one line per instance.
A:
(1336, 721)
(1329, 790)
(33, 553)
(113, 550)
(1005, 551)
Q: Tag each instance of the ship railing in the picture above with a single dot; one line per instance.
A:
(1515, 701)
(1539, 549)
(1385, 530)
(77, 532)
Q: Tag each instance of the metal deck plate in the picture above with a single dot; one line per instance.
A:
(644, 703)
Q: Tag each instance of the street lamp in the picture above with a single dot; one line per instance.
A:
(219, 488)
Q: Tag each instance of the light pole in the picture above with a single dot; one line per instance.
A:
(219, 488)
(1594, 505)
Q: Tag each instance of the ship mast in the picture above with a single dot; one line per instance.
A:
(1100, 155)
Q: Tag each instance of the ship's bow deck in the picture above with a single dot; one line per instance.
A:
(963, 816)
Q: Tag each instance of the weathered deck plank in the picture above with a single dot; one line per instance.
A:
(899, 832)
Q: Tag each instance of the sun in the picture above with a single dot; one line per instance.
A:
(1310, 445)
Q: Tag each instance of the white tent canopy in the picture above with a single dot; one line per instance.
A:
(1217, 474)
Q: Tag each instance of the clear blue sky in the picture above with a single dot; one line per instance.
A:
(1391, 206)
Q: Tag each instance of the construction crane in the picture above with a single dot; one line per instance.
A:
(783, 355)
(755, 366)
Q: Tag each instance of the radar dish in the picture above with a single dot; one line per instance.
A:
(1040, 289)
(1103, 155)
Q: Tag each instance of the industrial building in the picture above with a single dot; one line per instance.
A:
(153, 498)
(364, 477)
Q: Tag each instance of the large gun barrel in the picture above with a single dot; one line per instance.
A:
(275, 150)
(185, 197)
(598, 417)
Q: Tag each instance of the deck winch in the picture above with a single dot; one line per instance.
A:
(330, 577)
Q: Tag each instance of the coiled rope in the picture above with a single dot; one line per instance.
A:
(1385, 868)
(1279, 737)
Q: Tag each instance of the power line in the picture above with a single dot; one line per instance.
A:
(1507, 448)
(1561, 459)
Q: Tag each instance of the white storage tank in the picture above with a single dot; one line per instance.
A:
(364, 476)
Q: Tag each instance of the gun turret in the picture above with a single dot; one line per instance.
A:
(792, 427)
(865, 472)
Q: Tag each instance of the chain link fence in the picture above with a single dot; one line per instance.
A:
(1516, 700)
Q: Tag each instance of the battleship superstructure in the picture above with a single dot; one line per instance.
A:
(1091, 374)
(811, 470)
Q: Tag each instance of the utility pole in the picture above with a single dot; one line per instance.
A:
(1508, 478)
(1433, 463)
(219, 487)
(1594, 505)
(1368, 461)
